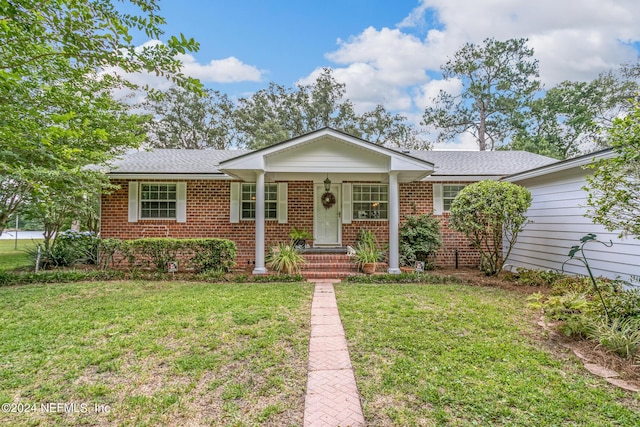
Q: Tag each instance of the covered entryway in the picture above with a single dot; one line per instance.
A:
(345, 161)
(327, 220)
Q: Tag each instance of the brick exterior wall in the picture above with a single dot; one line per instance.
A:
(208, 205)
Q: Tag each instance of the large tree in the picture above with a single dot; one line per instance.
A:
(58, 62)
(278, 113)
(185, 119)
(573, 117)
(614, 187)
(499, 80)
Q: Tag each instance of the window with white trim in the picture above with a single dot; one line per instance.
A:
(449, 192)
(370, 201)
(248, 201)
(158, 201)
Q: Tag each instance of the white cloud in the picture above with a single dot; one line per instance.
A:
(572, 39)
(228, 70)
(428, 91)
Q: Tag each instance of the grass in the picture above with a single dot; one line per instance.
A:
(461, 355)
(12, 258)
(159, 353)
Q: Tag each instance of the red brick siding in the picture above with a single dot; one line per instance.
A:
(208, 216)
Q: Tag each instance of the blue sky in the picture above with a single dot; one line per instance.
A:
(390, 51)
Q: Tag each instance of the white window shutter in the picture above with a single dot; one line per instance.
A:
(282, 203)
(438, 205)
(181, 202)
(346, 203)
(234, 208)
(133, 201)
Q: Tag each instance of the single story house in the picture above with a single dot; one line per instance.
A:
(255, 198)
(558, 222)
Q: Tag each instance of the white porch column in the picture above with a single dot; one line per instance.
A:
(394, 223)
(259, 268)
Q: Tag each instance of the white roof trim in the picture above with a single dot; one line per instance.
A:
(255, 159)
(170, 176)
(464, 178)
(561, 165)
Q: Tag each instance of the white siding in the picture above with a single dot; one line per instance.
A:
(330, 156)
(558, 223)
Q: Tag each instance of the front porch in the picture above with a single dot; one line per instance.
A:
(355, 184)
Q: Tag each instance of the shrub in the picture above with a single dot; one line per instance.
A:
(487, 212)
(285, 258)
(70, 248)
(419, 240)
(540, 278)
(622, 336)
(404, 278)
(198, 254)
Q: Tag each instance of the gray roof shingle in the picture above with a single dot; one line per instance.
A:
(482, 162)
(447, 163)
(176, 161)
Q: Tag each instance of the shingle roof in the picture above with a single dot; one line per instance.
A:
(490, 163)
(447, 163)
(173, 161)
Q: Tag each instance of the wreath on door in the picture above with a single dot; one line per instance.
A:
(328, 199)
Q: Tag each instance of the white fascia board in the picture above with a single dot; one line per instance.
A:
(560, 166)
(255, 160)
(169, 176)
(461, 178)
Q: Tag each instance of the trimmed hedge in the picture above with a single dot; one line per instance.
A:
(58, 276)
(404, 278)
(195, 254)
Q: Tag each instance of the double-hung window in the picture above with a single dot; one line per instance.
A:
(449, 192)
(158, 201)
(248, 201)
(370, 201)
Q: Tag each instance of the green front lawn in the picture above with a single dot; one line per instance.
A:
(459, 355)
(11, 258)
(169, 353)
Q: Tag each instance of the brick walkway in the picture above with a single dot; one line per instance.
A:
(332, 398)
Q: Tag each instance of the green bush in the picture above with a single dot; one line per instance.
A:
(404, 278)
(197, 254)
(285, 258)
(419, 240)
(489, 213)
(622, 336)
(70, 248)
(539, 278)
(58, 276)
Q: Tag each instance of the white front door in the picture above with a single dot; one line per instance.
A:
(327, 230)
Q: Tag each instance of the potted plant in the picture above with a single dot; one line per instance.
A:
(299, 238)
(285, 258)
(367, 252)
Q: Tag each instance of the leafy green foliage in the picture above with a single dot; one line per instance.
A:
(541, 278)
(487, 212)
(60, 61)
(420, 238)
(404, 278)
(622, 336)
(285, 258)
(71, 247)
(573, 115)
(367, 250)
(184, 119)
(499, 80)
(278, 113)
(614, 187)
(197, 254)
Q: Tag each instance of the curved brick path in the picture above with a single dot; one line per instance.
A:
(332, 397)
